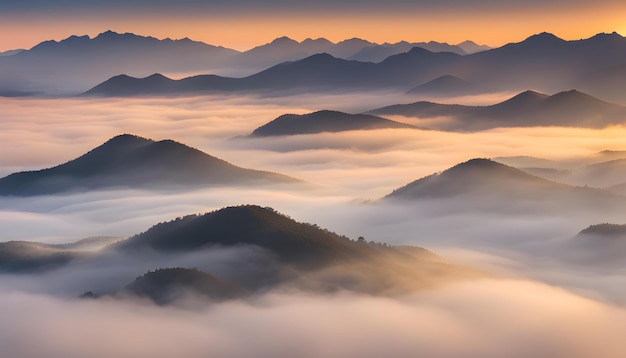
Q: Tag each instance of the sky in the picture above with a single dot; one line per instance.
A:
(243, 24)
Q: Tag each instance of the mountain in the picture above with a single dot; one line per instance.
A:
(11, 52)
(596, 65)
(306, 256)
(485, 183)
(23, 256)
(292, 242)
(318, 73)
(128, 161)
(444, 86)
(475, 177)
(166, 286)
(598, 245)
(285, 49)
(377, 53)
(280, 50)
(323, 121)
(471, 47)
(527, 109)
(78, 62)
(608, 174)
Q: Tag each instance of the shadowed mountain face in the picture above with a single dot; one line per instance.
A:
(166, 286)
(323, 121)
(527, 109)
(482, 182)
(127, 161)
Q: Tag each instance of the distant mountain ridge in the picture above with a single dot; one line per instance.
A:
(323, 121)
(529, 108)
(129, 161)
(77, 63)
(595, 65)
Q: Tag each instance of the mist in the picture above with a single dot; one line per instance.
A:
(539, 303)
(490, 318)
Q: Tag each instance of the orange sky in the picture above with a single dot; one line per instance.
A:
(243, 31)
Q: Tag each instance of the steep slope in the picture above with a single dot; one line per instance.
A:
(323, 121)
(133, 162)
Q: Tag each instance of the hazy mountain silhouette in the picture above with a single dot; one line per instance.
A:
(527, 109)
(23, 256)
(483, 182)
(444, 86)
(596, 65)
(78, 62)
(471, 47)
(377, 53)
(599, 245)
(128, 161)
(610, 174)
(166, 286)
(317, 73)
(285, 49)
(323, 121)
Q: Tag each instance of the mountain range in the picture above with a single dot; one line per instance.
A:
(323, 121)
(527, 109)
(596, 65)
(77, 63)
(128, 161)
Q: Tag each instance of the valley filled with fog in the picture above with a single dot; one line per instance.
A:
(532, 283)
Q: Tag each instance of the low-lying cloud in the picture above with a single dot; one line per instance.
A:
(489, 318)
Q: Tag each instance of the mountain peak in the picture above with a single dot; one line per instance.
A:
(544, 37)
(283, 41)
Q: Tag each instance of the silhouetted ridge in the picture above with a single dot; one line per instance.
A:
(135, 162)
(324, 121)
